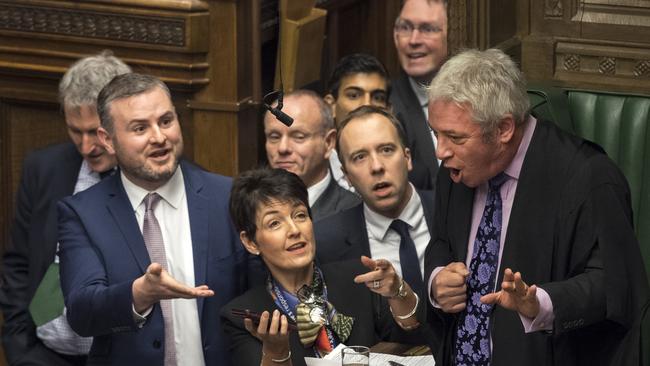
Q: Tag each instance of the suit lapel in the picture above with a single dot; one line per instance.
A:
(461, 213)
(426, 199)
(357, 232)
(197, 206)
(122, 212)
(61, 182)
(535, 185)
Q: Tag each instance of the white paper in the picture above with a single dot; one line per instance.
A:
(376, 359)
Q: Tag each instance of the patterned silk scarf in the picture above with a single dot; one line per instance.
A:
(320, 326)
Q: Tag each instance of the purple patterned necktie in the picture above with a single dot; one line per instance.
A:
(472, 334)
(153, 240)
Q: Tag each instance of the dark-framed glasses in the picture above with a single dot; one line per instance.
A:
(405, 28)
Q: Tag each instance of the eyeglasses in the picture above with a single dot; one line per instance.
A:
(404, 28)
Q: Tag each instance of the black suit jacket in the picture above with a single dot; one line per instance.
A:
(344, 236)
(408, 110)
(570, 232)
(48, 175)
(334, 199)
(372, 319)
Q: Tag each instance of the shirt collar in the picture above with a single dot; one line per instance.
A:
(517, 162)
(85, 171)
(172, 191)
(378, 224)
(420, 90)
(316, 190)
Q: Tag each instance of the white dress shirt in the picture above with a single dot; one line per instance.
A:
(173, 216)
(337, 172)
(317, 189)
(385, 242)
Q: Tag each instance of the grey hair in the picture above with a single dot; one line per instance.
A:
(326, 118)
(82, 82)
(489, 82)
(124, 86)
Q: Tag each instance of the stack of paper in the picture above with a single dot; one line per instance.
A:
(376, 359)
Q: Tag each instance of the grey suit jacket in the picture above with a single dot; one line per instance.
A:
(333, 200)
(408, 110)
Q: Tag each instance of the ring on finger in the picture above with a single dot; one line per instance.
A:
(376, 284)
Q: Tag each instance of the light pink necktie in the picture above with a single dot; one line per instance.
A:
(156, 247)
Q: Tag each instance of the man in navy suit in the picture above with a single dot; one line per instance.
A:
(48, 175)
(377, 166)
(142, 311)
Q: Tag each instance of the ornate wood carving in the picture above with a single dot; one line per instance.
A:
(90, 24)
(595, 44)
(553, 8)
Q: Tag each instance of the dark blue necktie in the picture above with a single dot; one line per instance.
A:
(473, 332)
(408, 257)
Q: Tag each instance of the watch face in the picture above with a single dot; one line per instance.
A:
(317, 315)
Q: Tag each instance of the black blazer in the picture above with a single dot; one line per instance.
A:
(372, 319)
(334, 199)
(344, 236)
(408, 110)
(570, 232)
(48, 175)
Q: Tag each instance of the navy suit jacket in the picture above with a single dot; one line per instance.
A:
(344, 236)
(103, 252)
(334, 199)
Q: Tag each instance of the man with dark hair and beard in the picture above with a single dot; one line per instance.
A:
(142, 251)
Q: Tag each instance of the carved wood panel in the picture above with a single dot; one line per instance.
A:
(593, 44)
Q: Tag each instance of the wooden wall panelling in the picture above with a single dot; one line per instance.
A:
(224, 117)
(41, 38)
(592, 44)
(360, 26)
(484, 24)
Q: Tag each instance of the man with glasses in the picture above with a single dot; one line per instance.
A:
(420, 36)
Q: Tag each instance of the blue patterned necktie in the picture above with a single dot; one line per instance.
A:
(472, 334)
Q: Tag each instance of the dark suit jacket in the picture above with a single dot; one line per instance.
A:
(344, 236)
(103, 252)
(570, 232)
(48, 175)
(408, 110)
(334, 199)
(372, 319)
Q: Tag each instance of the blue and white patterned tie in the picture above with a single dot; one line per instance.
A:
(473, 332)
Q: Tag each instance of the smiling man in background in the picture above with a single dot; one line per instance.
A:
(420, 36)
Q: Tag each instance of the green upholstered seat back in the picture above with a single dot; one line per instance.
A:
(619, 123)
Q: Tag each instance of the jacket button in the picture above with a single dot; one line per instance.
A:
(156, 344)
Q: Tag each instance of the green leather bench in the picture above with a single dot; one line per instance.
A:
(620, 123)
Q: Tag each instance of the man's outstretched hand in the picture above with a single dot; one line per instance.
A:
(515, 295)
(156, 284)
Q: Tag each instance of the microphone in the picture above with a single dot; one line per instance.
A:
(277, 111)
